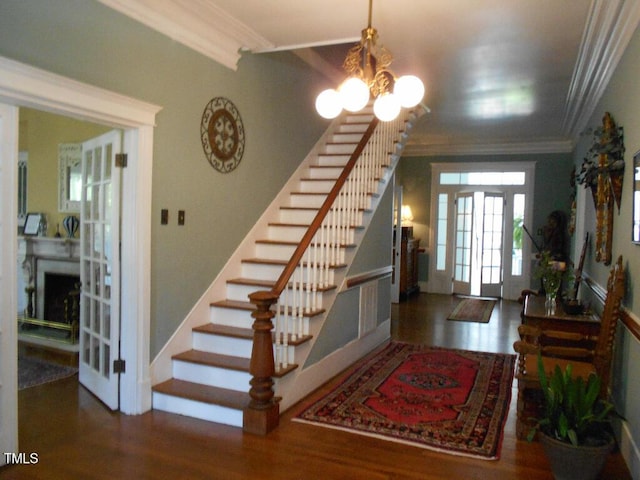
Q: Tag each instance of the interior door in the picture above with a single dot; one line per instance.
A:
(100, 268)
(492, 244)
(463, 248)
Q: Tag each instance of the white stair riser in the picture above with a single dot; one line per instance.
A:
(261, 271)
(316, 186)
(346, 137)
(307, 201)
(362, 117)
(306, 216)
(353, 128)
(237, 347)
(275, 251)
(340, 148)
(325, 172)
(201, 410)
(333, 160)
(230, 317)
(241, 293)
(212, 376)
(286, 233)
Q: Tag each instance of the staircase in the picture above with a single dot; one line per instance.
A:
(211, 379)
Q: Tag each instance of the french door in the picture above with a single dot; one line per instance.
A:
(478, 244)
(463, 249)
(492, 245)
(100, 268)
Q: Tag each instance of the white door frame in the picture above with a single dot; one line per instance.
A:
(23, 85)
(8, 287)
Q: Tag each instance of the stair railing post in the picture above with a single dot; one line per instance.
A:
(263, 412)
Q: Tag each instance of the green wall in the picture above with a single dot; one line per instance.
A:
(551, 190)
(622, 100)
(274, 94)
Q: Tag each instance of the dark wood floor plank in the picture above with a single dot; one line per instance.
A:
(76, 437)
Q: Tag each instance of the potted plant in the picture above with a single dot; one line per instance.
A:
(574, 427)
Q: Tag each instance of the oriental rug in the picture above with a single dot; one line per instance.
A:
(34, 371)
(472, 310)
(451, 401)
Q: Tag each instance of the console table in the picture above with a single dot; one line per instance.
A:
(535, 313)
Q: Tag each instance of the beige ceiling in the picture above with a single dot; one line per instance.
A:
(501, 75)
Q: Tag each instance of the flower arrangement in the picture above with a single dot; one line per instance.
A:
(551, 272)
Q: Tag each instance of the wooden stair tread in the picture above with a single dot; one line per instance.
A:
(204, 393)
(268, 284)
(250, 307)
(270, 261)
(224, 330)
(244, 333)
(295, 244)
(214, 360)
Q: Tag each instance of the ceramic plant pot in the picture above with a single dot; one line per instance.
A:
(569, 462)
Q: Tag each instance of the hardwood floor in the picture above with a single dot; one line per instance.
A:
(76, 438)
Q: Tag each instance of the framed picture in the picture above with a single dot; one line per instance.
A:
(32, 224)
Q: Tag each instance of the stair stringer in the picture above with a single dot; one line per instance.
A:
(297, 384)
(161, 366)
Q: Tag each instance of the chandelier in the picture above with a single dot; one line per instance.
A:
(369, 76)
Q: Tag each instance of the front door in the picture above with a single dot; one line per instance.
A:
(463, 244)
(100, 268)
(492, 245)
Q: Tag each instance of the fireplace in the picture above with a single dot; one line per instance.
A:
(50, 288)
(61, 297)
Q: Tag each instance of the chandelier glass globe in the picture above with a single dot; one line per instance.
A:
(354, 94)
(409, 89)
(328, 104)
(386, 107)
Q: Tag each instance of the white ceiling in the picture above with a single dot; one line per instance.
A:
(501, 75)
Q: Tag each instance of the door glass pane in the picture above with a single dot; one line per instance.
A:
(441, 250)
(518, 233)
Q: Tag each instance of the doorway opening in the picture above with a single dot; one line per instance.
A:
(477, 215)
(23, 85)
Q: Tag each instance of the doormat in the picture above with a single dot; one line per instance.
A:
(472, 310)
(450, 401)
(34, 371)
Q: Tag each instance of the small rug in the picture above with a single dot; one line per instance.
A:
(472, 310)
(33, 371)
(451, 401)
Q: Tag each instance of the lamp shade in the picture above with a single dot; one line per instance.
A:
(405, 214)
(328, 104)
(354, 94)
(409, 89)
(386, 107)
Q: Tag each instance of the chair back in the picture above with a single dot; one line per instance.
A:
(610, 314)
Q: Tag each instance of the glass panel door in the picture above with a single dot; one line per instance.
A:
(492, 243)
(100, 267)
(463, 244)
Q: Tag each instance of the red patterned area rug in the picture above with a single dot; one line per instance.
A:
(472, 310)
(451, 401)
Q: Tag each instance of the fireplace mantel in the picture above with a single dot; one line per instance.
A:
(39, 255)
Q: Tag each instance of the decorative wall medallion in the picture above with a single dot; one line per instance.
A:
(222, 134)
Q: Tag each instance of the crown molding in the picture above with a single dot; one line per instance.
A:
(607, 33)
(197, 24)
(426, 149)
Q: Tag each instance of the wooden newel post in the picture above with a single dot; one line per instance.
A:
(263, 413)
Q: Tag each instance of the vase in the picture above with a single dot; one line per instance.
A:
(551, 286)
(71, 224)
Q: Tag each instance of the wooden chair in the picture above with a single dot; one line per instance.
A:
(587, 354)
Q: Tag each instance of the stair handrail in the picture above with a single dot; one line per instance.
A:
(262, 413)
(307, 238)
